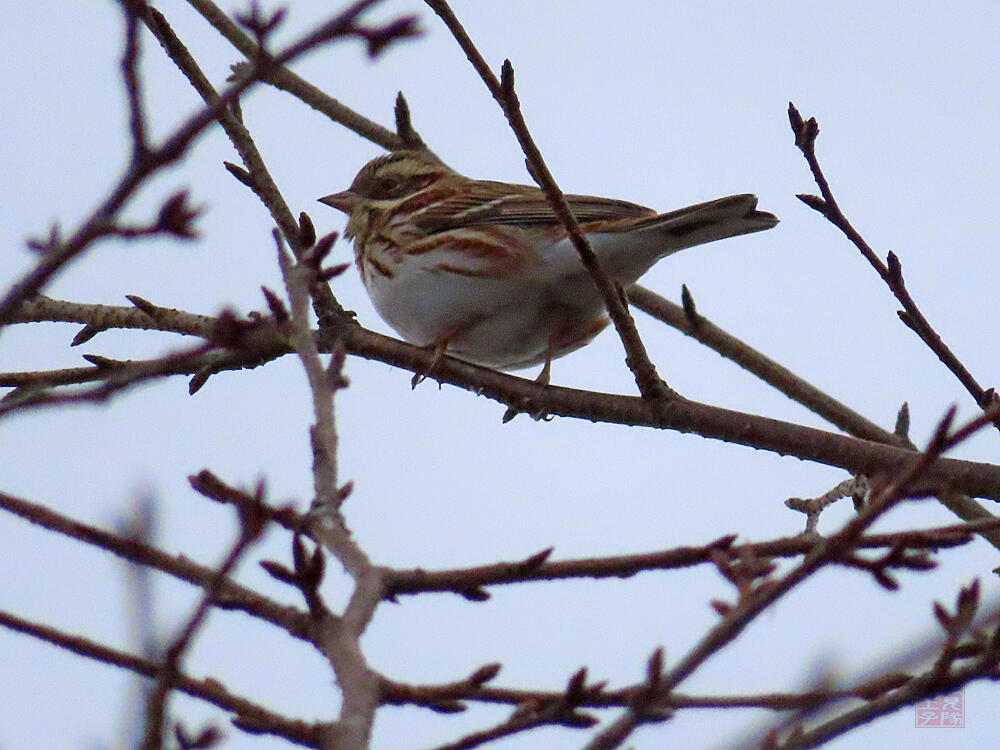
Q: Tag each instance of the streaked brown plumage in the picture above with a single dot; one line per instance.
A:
(486, 270)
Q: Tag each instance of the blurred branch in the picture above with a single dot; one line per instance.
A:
(978, 658)
(249, 716)
(252, 519)
(232, 596)
(132, 80)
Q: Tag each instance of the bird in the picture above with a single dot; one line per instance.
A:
(484, 271)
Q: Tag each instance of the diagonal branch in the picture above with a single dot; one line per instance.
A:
(891, 271)
(252, 519)
(282, 78)
(250, 717)
(695, 325)
(233, 596)
(646, 378)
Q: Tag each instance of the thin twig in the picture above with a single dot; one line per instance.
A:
(260, 179)
(890, 271)
(469, 582)
(133, 82)
(282, 78)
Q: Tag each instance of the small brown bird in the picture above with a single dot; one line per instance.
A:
(485, 271)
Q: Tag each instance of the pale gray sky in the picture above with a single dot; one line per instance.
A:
(664, 104)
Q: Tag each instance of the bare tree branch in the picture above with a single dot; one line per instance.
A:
(282, 78)
(890, 271)
(646, 378)
(757, 591)
(252, 520)
(249, 716)
(469, 582)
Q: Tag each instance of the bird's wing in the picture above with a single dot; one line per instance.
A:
(481, 202)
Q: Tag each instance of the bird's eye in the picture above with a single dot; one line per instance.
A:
(385, 188)
(391, 187)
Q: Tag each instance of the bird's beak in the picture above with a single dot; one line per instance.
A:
(342, 201)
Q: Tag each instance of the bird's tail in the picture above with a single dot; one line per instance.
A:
(658, 236)
(709, 221)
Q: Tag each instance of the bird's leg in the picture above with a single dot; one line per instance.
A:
(438, 348)
(545, 374)
(570, 336)
(542, 379)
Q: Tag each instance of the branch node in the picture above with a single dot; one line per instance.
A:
(507, 92)
(86, 333)
(307, 231)
(576, 686)
(474, 594)
(902, 428)
(240, 174)
(484, 674)
(535, 561)
(276, 305)
(805, 130)
(144, 305)
(328, 274)
(199, 379)
(404, 125)
(690, 311)
(814, 202)
(895, 268)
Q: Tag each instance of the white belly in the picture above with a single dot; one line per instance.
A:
(505, 323)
